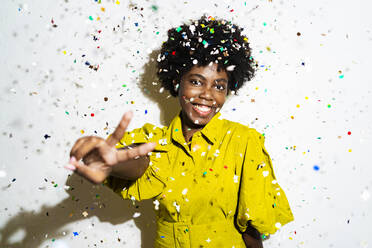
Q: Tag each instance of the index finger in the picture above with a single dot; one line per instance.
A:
(120, 129)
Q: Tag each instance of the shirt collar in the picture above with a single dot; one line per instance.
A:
(210, 131)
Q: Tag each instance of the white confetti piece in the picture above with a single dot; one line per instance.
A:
(265, 173)
(230, 68)
(236, 178)
(184, 192)
(365, 195)
(2, 174)
(278, 225)
(136, 215)
(156, 203)
(177, 206)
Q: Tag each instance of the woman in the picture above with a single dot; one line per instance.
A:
(211, 179)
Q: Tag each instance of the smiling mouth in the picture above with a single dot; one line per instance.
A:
(202, 110)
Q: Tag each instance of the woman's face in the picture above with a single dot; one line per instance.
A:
(202, 93)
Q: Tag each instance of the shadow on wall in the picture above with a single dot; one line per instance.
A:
(83, 197)
(97, 201)
(168, 105)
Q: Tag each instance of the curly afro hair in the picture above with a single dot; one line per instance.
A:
(204, 41)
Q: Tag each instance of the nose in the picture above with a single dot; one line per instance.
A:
(206, 93)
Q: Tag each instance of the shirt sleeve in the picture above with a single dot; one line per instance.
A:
(153, 181)
(261, 200)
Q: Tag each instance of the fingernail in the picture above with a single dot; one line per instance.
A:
(72, 159)
(70, 167)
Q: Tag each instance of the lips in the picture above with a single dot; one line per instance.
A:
(202, 110)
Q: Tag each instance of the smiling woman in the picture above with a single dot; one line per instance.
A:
(211, 179)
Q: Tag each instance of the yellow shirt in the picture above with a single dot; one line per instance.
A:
(199, 193)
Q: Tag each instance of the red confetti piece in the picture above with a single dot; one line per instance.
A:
(92, 114)
(225, 166)
(210, 169)
(349, 133)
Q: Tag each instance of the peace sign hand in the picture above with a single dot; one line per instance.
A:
(100, 156)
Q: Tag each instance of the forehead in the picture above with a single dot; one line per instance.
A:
(210, 70)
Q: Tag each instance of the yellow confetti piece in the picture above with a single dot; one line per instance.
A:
(256, 88)
(82, 131)
(103, 9)
(307, 98)
(268, 49)
(298, 105)
(292, 117)
(98, 18)
(290, 238)
(117, 2)
(64, 52)
(350, 150)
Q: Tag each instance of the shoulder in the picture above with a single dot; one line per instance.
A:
(243, 131)
(150, 131)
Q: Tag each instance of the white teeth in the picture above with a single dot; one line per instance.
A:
(203, 108)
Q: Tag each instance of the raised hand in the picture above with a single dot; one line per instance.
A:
(100, 156)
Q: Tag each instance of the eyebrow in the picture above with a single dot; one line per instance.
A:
(202, 77)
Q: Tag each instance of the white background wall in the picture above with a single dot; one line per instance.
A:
(305, 110)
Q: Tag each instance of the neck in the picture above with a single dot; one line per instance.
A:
(189, 128)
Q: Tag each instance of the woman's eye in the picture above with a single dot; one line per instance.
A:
(195, 82)
(220, 87)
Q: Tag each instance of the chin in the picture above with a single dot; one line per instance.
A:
(197, 120)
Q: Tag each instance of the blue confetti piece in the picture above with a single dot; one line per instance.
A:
(75, 233)
(162, 237)
(146, 111)
(136, 24)
(316, 167)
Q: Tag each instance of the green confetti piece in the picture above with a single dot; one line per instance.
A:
(154, 7)
(67, 113)
(178, 29)
(329, 105)
(55, 185)
(97, 196)
(91, 18)
(176, 130)
(264, 24)
(204, 42)
(124, 85)
(341, 76)
(157, 32)
(212, 30)
(204, 173)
